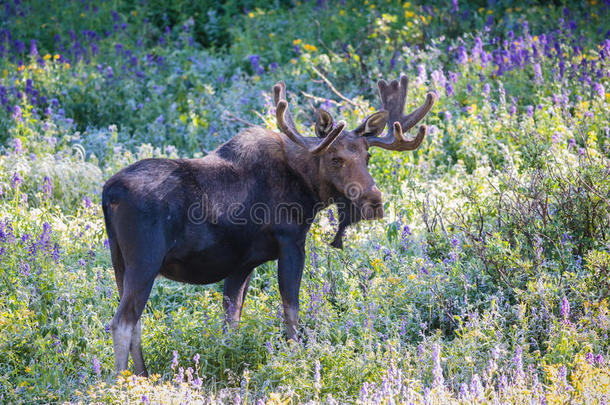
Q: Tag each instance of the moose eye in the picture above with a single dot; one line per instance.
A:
(337, 161)
(368, 157)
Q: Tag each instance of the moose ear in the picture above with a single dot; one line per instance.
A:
(324, 123)
(373, 125)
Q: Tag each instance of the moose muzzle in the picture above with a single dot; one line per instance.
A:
(370, 204)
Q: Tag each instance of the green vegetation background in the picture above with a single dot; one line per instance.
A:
(486, 282)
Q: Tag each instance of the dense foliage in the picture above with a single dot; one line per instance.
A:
(487, 280)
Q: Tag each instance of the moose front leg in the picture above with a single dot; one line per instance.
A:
(235, 289)
(290, 270)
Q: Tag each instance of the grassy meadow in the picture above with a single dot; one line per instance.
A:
(486, 282)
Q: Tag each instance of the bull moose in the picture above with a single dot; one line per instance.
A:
(250, 201)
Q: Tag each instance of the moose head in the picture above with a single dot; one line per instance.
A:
(343, 154)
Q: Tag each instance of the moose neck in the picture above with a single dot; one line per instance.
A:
(307, 166)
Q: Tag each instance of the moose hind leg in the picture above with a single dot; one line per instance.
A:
(136, 350)
(125, 326)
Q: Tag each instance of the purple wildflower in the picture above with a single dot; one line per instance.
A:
(331, 217)
(599, 90)
(518, 361)
(17, 113)
(449, 89)
(437, 370)
(555, 137)
(33, 48)
(565, 309)
(16, 180)
(438, 77)
(24, 269)
(18, 146)
(255, 62)
(462, 56)
(180, 376)
(96, 366)
(476, 387)
(175, 359)
(196, 359)
(455, 6)
(486, 90)
(571, 143)
(47, 187)
(490, 21)
(422, 76)
(197, 383)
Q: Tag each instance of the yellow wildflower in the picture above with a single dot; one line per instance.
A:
(296, 42)
(47, 56)
(56, 56)
(310, 48)
(134, 13)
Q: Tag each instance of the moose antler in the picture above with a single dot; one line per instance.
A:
(393, 98)
(286, 123)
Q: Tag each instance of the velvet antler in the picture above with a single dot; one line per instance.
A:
(286, 123)
(393, 98)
